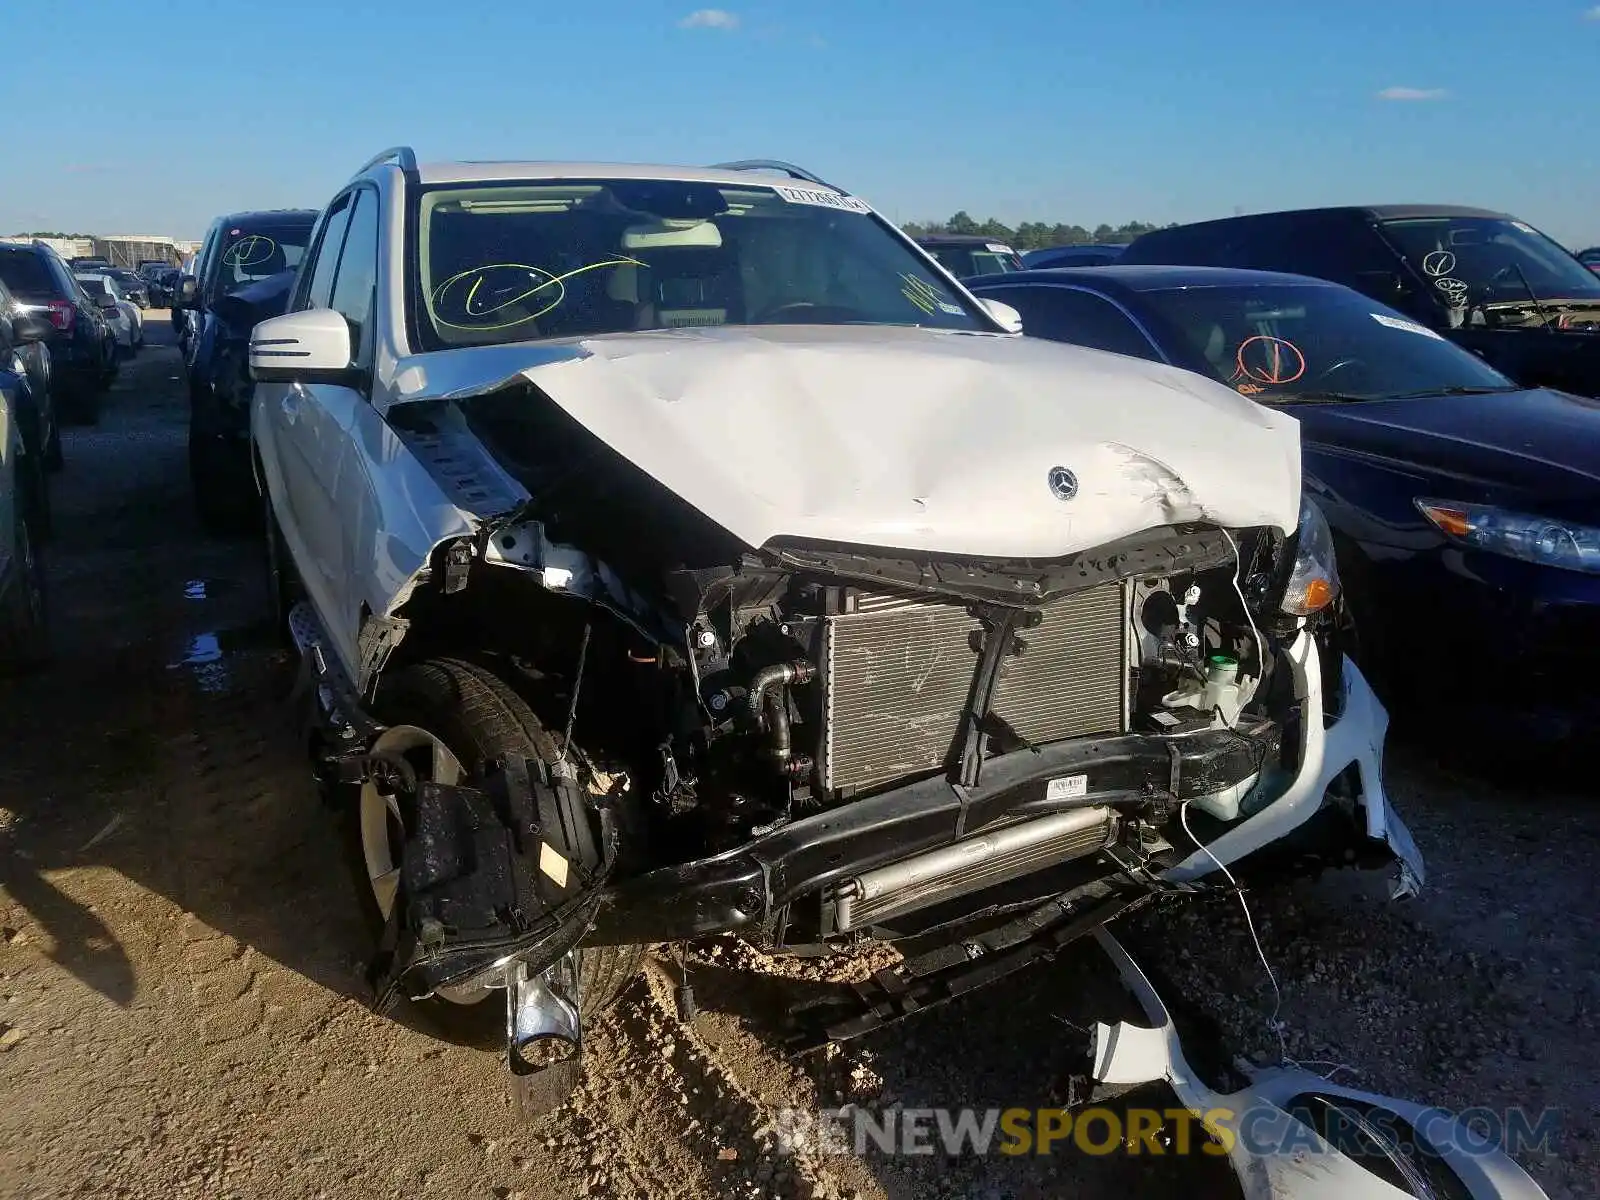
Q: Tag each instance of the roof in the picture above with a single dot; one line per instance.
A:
(1085, 246)
(1376, 212)
(272, 216)
(959, 239)
(1149, 278)
(495, 172)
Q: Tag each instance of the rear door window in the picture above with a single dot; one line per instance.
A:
(27, 275)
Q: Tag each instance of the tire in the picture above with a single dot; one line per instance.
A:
(219, 475)
(478, 717)
(24, 621)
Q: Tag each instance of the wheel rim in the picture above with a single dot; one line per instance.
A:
(382, 823)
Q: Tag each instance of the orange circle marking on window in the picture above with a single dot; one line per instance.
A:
(1269, 360)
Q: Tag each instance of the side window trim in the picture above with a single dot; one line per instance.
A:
(1133, 319)
(366, 347)
(308, 267)
(354, 196)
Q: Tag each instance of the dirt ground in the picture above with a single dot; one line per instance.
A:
(180, 1009)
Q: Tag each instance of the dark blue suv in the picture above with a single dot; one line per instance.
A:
(242, 275)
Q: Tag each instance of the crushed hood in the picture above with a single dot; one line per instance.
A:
(905, 438)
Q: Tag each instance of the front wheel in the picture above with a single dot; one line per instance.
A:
(447, 718)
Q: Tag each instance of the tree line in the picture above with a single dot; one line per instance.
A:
(1031, 235)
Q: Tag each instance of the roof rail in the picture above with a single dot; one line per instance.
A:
(774, 164)
(404, 155)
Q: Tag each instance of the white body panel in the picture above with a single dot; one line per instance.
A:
(908, 438)
(1274, 1156)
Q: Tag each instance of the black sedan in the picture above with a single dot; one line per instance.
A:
(1466, 507)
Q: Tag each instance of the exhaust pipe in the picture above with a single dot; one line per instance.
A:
(544, 1036)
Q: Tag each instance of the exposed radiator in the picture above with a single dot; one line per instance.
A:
(1070, 678)
(897, 673)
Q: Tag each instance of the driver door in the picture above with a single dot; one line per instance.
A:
(302, 427)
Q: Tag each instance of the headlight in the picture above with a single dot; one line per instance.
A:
(1314, 581)
(1517, 535)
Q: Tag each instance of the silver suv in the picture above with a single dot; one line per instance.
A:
(678, 550)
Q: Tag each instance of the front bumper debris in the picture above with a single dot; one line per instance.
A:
(750, 886)
(1293, 1135)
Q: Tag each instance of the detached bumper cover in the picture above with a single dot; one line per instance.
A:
(1278, 1154)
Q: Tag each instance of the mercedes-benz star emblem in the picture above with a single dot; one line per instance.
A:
(1063, 483)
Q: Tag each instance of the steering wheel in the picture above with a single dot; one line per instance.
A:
(1344, 364)
(819, 314)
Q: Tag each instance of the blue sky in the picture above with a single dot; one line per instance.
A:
(1075, 110)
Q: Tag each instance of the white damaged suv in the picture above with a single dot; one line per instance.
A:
(683, 550)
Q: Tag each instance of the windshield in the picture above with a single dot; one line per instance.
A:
(1280, 342)
(1482, 260)
(965, 262)
(95, 287)
(511, 262)
(252, 254)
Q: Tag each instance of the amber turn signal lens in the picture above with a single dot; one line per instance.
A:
(1452, 520)
(1319, 594)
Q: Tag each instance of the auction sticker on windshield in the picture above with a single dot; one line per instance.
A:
(822, 199)
(1408, 326)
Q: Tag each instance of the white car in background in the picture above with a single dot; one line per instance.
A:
(124, 315)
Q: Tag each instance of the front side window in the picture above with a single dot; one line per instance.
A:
(247, 255)
(1072, 315)
(358, 271)
(1280, 343)
(511, 262)
(318, 290)
(1489, 262)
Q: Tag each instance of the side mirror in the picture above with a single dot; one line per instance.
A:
(106, 301)
(1004, 315)
(30, 327)
(187, 289)
(311, 346)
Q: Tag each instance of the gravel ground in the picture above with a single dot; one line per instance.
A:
(180, 1007)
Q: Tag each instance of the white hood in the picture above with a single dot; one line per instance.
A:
(907, 438)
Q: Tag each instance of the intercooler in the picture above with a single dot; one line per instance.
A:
(968, 866)
(897, 672)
